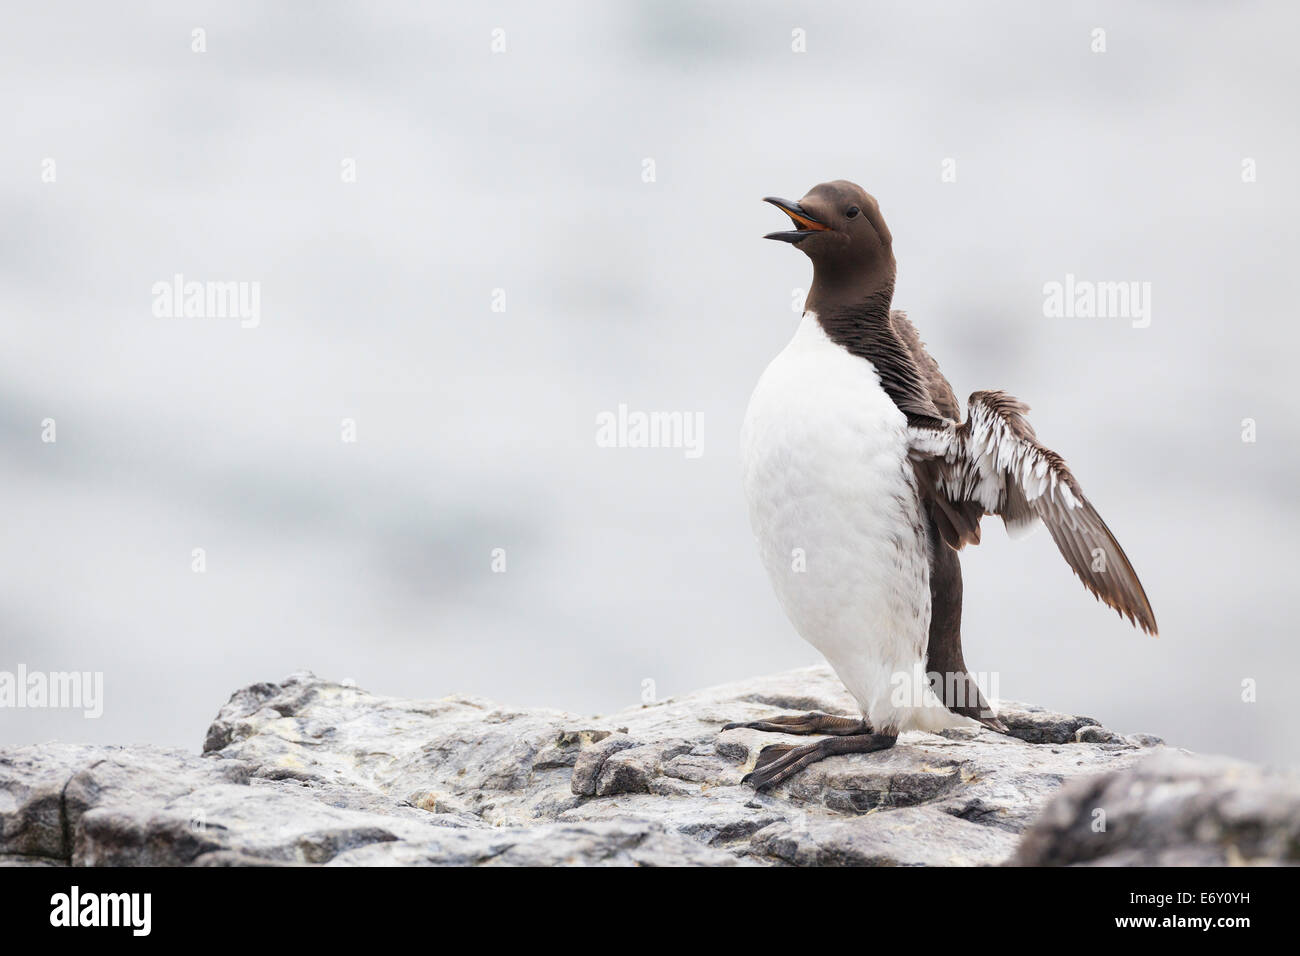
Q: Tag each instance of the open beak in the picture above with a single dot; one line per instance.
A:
(806, 224)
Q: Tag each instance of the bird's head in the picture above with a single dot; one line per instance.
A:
(839, 226)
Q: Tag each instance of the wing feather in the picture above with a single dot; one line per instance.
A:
(994, 459)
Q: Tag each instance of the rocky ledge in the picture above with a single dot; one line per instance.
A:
(313, 772)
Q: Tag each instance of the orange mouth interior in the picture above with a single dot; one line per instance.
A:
(804, 222)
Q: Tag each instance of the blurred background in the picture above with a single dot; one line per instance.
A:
(525, 170)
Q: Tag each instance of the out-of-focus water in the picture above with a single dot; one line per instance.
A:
(523, 171)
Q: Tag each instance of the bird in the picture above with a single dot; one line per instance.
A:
(864, 481)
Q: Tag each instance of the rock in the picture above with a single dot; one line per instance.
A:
(311, 771)
(1173, 809)
(589, 765)
(1036, 725)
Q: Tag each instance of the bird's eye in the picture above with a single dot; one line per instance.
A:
(853, 211)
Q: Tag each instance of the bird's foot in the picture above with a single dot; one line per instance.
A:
(779, 762)
(811, 723)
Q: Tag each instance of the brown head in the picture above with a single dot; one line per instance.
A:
(839, 226)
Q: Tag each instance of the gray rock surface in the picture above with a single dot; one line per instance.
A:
(311, 771)
(1174, 809)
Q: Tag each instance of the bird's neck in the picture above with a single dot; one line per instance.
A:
(866, 294)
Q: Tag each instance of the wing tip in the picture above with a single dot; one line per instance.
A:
(1143, 618)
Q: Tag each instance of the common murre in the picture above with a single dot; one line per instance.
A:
(856, 457)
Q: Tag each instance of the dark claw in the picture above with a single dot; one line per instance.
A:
(779, 762)
(804, 724)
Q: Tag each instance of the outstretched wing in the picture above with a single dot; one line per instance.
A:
(993, 461)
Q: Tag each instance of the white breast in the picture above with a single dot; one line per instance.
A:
(833, 504)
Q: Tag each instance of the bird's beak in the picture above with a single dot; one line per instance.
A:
(806, 223)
